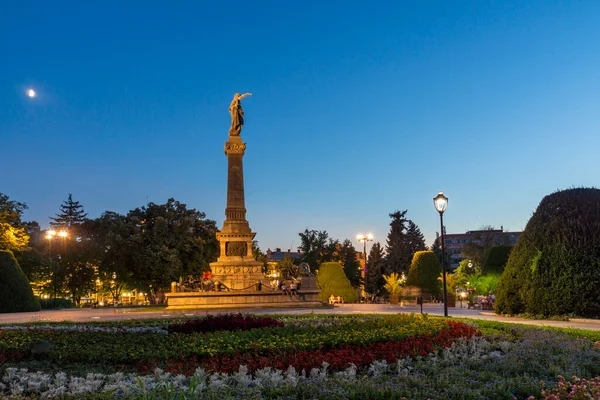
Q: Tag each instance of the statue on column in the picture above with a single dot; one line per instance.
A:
(237, 114)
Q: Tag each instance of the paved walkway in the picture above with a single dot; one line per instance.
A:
(111, 314)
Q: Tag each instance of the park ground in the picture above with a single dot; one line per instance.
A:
(114, 314)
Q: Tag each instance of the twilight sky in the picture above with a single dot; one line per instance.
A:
(358, 108)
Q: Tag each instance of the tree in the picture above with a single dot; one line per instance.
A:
(168, 241)
(13, 232)
(436, 247)
(404, 239)
(554, 269)
(415, 238)
(70, 217)
(350, 263)
(72, 268)
(332, 281)
(374, 280)
(15, 292)
(394, 283)
(424, 272)
(479, 248)
(496, 259)
(317, 247)
(260, 256)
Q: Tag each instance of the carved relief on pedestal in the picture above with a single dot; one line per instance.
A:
(239, 249)
(235, 148)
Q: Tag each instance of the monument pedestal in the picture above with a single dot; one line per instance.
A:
(238, 274)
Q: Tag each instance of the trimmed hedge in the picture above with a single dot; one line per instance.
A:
(332, 280)
(15, 291)
(424, 272)
(497, 259)
(554, 268)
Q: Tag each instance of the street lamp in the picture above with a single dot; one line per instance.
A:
(50, 235)
(440, 203)
(364, 238)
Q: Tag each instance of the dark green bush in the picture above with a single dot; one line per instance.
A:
(48, 304)
(332, 280)
(424, 272)
(15, 292)
(496, 259)
(554, 268)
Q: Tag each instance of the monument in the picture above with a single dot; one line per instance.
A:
(237, 279)
(236, 266)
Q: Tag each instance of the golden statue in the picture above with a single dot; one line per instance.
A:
(237, 114)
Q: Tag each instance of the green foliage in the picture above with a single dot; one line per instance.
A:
(317, 247)
(496, 259)
(15, 292)
(424, 272)
(58, 303)
(70, 217)
(13, 232)
(151, 246)
(394, 283)
(332, 280)
(554, 269)
(478, 250)
(374, 276)
(403, 240)
(483, 284)
(351, 264)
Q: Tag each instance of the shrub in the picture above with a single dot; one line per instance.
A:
(224, 322)
(332, 280)
(554, 268)
(424, 272)
(497, 259)
(15, 292)
(49, 304)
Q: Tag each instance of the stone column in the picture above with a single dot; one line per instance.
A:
(236, 266)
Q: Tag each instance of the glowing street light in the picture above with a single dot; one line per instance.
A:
(364, 238)
(440, 203)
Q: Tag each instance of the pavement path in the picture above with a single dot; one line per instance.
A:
(112, 314)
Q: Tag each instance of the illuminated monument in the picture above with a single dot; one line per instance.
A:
(236, 271)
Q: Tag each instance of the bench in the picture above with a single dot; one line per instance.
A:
(336, 300)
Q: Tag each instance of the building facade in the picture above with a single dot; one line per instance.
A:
(454, 242)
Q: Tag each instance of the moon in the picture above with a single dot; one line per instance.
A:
(31, 93)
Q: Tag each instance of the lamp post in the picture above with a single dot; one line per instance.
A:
(364, 238)
(441, 203)
(50, 235)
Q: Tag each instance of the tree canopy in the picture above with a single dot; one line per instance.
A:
(403, 240)
(374, 280)
(317, 247)
(13, 231)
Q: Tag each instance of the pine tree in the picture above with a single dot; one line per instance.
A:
(351, 264)
(374, 276)
(71, 215)
(398, 259)
(415, 238)
(405, 238)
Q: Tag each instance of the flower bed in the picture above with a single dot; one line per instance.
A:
(337, 357)
(131, 348)
(401, 357)
(224, 322)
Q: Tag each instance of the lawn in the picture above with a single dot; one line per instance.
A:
(308, 356)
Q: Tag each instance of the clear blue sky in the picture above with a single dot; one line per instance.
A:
(359, 108)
